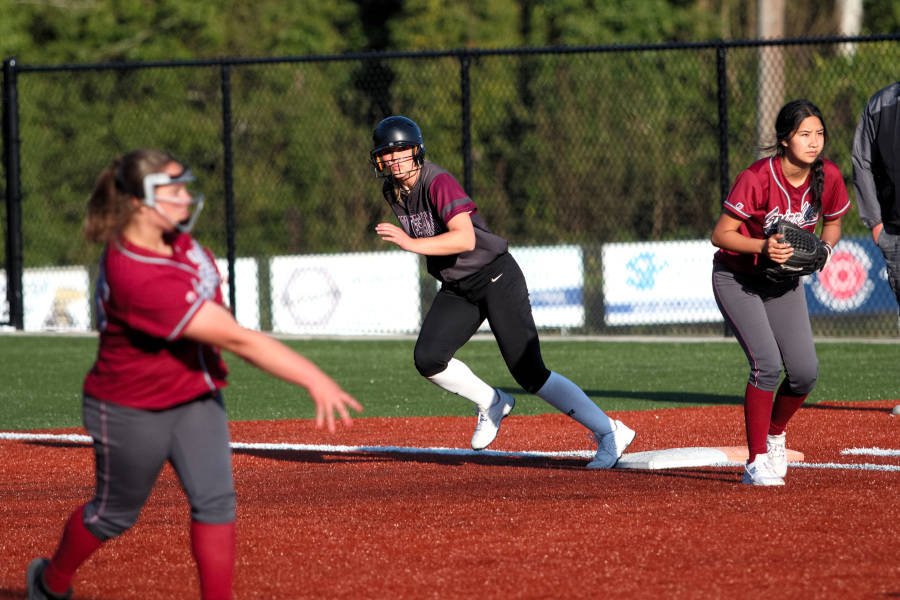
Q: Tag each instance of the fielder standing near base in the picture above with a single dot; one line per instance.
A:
(876, 177)
(153, 395)
(769, 316)
(479, 280)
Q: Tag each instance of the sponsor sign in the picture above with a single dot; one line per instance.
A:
(854, 281)
(345, 294)
(555, 277)
(55, 299)
(658, 282)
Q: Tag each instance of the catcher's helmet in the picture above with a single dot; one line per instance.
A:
(396, 132)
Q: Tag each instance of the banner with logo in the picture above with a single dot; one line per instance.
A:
(658, 282)
(555, 277)
(55, 299)
(345, 294)
(854, 282)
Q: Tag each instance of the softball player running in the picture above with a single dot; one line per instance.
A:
(479, 280)
(770, 318)
(153, 394)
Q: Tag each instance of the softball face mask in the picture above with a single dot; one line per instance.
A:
(153, 180)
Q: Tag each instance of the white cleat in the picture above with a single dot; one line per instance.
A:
(777, 452)
(489, 420)
(611, 446)
(760, 472)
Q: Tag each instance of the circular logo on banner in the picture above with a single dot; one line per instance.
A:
(311, 296)
(844, 284)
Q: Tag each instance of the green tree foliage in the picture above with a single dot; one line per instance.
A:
(570, 146)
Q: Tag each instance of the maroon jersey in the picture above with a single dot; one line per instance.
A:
(762, 195)
(435, 199)
(144, 301)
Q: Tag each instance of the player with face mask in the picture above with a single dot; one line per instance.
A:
(154, 393)
(479, 280)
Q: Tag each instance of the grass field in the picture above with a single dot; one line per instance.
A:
(42, 377)
(347, 515)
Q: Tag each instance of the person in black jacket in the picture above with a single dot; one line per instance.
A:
(876, 170)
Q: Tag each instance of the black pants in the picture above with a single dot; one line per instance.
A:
(498, 293)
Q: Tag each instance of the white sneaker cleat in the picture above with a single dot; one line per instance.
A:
(610, 446)
(489, 420)
(760, 472)
(775, 448)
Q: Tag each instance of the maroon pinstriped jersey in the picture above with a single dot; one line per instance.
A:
(144, 301)
(761, 196)
(435, 199)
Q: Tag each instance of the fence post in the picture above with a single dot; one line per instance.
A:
(724, 182)
(229, 185)
(722, 85)
(13, 195)
(465, 88)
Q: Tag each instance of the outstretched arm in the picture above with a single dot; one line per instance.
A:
(214, 325)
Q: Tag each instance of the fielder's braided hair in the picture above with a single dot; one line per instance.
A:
(786, 124)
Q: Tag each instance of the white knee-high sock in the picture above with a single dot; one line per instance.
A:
(459, 379)
(569, 399)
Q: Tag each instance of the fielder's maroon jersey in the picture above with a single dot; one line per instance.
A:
(435, 199)
(762, 195)
(144, 301)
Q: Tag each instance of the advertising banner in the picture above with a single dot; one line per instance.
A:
(658, 282)
(854, 281)
(55, 299)
(246, 295)
(345, 294)
(555, 276)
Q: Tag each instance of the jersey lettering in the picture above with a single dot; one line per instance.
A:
(419, 225)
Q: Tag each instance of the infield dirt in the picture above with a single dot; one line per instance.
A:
(319, 524)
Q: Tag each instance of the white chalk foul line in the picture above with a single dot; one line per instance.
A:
(412, 450)
(586, 454)
(871, 451)
(329, 448)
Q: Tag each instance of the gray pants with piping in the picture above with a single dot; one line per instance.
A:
(132, 445)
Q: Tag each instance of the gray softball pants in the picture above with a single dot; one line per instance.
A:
(889, 243)
(132, 445)
(771, 323)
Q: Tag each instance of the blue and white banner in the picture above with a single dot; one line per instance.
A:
(670, 282)
(658, 282)
(555, 277)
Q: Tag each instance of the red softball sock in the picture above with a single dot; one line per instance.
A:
(757, 414)
(76, 545)
(214, 550)
(786, 404)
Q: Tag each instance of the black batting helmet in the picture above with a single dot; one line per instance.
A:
(396, 132)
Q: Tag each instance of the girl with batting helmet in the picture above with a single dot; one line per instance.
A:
(769, 318)
(153, 395)
(479, 280)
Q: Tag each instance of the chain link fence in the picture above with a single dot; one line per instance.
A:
(605, 168)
